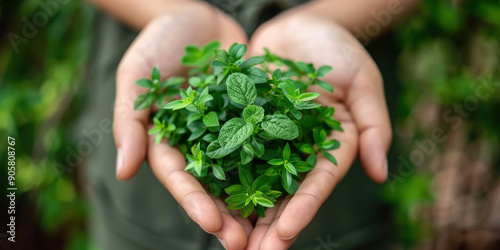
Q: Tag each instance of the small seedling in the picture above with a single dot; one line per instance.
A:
(248, 133)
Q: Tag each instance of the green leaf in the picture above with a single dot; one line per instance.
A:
(307, 105)
(219, 172)
(247, 210)
(204, 99)
(245, 176)
(173, 81)
(289, 89)
(210, 138)
(247, 153)
(210, 47)
(155, 74)
(211, 119)
(234, 132)
(302, 166)
(330, 157)
(146, 83)
(193, 117)
(184, 94)
(197, 165)
(308, 96)
(293, 186)
(236, 206)
(312, 159)
(252, 61)
(197, 129)
(276, 162)
(290, 168)
(253, 114)
(326, 86)
(277, 74)
(241, 89)
(215, 189)
(256, 75)
(323, 70)
(286, 178)
(258, 147)
(221, 55)
(280, 126)
(155, 130)
(193, 164)
(220, 77)
(319, 136)
(236, 199)
(273, 193)
(144, 101)
(259, 182)
(264, 202)
(175, 105)
(238, 51)
(296, 113)
(158, 138)
(306, 148)
(304, 67)
(286, 152)
(330, 145)
(216, 151)
(271, 172)
(236, 189)
(261, 211)
(218, 64)
(334, 124)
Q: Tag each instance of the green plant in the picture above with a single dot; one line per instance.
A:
(246, 130)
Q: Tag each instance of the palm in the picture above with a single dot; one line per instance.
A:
(360, 107)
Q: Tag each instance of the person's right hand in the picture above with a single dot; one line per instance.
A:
(161, 44)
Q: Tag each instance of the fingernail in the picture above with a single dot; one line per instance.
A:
(288, 238)
(119, 161)
(222, 242)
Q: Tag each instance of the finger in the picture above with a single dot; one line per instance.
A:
(129, 125)
(367, 103)
(232, 235)
(168, 165)
(272, 239)
(245, 223)
(261, 227)
(318, 184)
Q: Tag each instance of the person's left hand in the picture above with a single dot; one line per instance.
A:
(359, 105)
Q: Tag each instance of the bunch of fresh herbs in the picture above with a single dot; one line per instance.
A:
(246, 130)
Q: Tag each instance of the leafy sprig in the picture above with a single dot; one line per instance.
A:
(248, 133)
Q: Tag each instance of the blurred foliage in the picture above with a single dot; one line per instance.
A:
(447, 49)
(40, 95)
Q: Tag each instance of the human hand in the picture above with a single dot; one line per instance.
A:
(160, 44)
(360, 106)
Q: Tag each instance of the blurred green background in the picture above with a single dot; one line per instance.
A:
(448, 65)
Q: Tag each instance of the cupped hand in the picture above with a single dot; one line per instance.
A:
(359, 105)
(161, 44)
